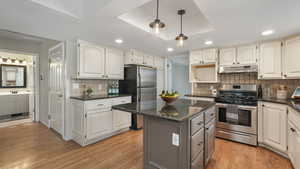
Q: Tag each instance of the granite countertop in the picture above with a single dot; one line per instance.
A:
(201, 95)
(96, 97)
(179, 110)
(295, 104)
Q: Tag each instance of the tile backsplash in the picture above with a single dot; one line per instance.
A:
(99, 87)
(269, 86)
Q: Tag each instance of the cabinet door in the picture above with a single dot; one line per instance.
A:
(209, 140)
(138, 57)
(98, 123)
(291, 58)
(294, 145)
(270, 60)
(148, 60)
(121, 119)
(91, 61)
(227, 56)
(209, 55)
(114, 64)
(274, 126)
(246, 55)
(159, 63)
(196, 57)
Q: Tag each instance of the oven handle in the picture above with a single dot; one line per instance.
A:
(247, 107)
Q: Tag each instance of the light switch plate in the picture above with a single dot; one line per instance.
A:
(175, 139)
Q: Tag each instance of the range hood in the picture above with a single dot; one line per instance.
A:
(238, 69)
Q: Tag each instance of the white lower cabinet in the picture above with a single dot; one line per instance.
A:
(273, 126)
(294, 138)
(95, 120)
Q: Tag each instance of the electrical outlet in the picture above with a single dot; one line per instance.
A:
(75, 86)
(175, 139)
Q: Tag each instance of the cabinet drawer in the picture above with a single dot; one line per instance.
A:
(210, 114)
(121, 100)
(98, 104)
(198, 163)
(197, 123)
(197, 143)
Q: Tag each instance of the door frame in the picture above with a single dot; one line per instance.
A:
(36, 86)
(64, 88)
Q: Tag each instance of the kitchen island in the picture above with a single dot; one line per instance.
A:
(180, 135)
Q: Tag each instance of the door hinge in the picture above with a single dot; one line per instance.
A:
(287, 111)
(287, 147)
(49, 116)
(85, 115)
(281, 43)
(85, 136)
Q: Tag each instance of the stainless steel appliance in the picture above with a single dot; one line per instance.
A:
(236, 110)
(140, 83)
(238, 68)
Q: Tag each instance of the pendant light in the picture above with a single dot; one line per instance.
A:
(157, 24)
(181, 37)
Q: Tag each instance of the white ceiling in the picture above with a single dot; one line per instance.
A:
(233, 21)
(194, 22)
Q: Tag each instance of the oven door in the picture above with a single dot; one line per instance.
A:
(241, 119)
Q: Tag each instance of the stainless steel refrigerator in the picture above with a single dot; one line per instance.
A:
(140, 83)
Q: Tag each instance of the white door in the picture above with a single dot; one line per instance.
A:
(270, 60)
(274, 126)
(227, 56)
(291, 58)
(209, 55)
(98, 123)
(246, 55)
(148, 60)
(91, 61)
(114, 64)
(121, 119)
(57, 87)
(196, 57)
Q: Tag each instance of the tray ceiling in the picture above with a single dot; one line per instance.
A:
(194, 22)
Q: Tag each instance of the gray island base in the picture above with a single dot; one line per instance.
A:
(180, 135)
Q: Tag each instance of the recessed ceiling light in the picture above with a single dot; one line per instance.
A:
(267, 32)
(119, 41)
(170, 49)
(208, 42)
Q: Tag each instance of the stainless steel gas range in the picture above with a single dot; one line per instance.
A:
(237, 113)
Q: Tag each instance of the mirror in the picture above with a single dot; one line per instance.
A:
(13, 76)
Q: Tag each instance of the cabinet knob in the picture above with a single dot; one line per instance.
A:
(293, 130)
(200, 123)
(285, 75)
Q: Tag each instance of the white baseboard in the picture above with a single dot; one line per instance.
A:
(15, 122)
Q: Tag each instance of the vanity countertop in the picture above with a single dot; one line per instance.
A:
(18, 93)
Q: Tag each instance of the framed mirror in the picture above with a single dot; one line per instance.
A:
(12, 76)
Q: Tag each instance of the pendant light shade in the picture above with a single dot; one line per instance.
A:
(157, 25)
(181, 37)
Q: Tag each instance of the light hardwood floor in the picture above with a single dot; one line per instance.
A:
(33, 146)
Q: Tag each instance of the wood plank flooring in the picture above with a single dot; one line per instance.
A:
(33, 146)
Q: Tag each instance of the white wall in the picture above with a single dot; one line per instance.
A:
(40, 48)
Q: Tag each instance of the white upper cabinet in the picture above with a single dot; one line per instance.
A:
(148, 60)
(114, 67)
(274, 119)
(159, 63)
(227, 56)
(96, 62)
(91, 60)
(209, 55)
(291, 59)
(204, 56)
(246, 55)
(196, 57)
(270, 60)
(134, 57)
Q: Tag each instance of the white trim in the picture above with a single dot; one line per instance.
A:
(15, 122)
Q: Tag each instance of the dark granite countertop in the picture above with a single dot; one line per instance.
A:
(96, 97)
(179, 110)
(201, 95)
(295, 104)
